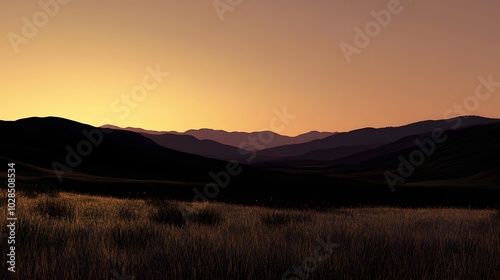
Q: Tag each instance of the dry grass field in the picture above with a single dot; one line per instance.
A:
(72, 236)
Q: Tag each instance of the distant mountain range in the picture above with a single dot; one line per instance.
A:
(344, 168)
(263, 139)
(322, 146)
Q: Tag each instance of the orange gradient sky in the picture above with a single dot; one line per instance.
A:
(230, 74)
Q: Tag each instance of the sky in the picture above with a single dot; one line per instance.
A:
(233, 64)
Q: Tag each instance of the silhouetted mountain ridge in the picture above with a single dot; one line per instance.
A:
(368, 137)
(236, 138)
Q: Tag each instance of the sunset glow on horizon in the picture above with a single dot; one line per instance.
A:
(99, 63)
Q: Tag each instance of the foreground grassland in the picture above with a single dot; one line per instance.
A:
(69, 236)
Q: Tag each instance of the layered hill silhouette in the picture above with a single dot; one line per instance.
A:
(463, 170)
(348, 143)
(46, 149)
(237, 139)
(467, 157)
(206, 148)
